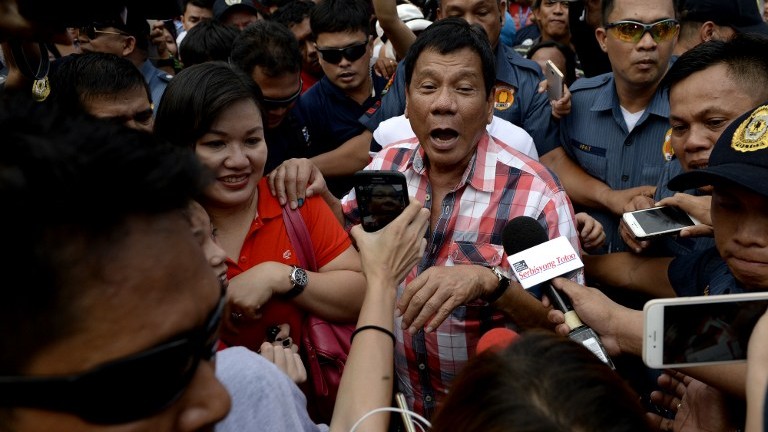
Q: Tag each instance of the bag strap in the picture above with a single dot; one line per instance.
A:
(298, 234)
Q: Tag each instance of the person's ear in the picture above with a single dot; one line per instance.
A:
(502, 11)
(707, 31)
(601, 35)
(406, 103)
(129, 45)
(491, 100)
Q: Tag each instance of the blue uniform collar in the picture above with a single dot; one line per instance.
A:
(608, 99)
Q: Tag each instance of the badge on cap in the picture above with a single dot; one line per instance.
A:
(504, 97)
(232, 2)
(666, 148)
(752, 133)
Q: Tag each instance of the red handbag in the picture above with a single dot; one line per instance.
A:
(325, 345)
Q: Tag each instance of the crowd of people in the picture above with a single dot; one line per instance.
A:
(153, 168)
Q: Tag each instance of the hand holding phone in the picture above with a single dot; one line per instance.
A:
(381, 197)
(657, 221)
(554, 81)
(703, 330)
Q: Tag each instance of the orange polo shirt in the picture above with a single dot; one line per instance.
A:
(267, 240)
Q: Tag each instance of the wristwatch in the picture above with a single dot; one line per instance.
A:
(299, 279)
(500, 288)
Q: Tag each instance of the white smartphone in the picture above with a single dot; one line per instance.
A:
(554, 81)
(657, 221)
(703, 330)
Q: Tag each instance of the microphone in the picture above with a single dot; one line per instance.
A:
(525, 241)
(496, 339)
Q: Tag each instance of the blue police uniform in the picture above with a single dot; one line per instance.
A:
(596, 136)
(702, 273)
(516, 100)
(157, 80)
(331, 118)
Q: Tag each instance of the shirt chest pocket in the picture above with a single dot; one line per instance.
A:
(591, 158)
(484, 254)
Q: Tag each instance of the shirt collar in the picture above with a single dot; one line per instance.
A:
(607, 98)
(481, 169)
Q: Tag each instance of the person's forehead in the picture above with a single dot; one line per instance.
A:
(466, 4)
(197, 11)
(697, 90)
(124, 103)
(340, 39)
(302, 30)
(285, 83)
(648, 10)
(469, 60)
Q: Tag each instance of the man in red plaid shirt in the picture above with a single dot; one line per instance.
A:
(473, 185)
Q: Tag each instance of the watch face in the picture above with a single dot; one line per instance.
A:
(299, 277)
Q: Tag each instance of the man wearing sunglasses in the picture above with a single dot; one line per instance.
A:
(616, 130)
(127, 38)
(114, 318)
(332, 107)
(269, 53)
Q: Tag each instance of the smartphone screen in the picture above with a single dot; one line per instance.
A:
(662, 219)
(709, 332)
(381, 197)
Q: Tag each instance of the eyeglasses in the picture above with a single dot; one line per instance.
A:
(91, 31)
(273, 104)
(122, 390)
(633, 31)
(351, 53)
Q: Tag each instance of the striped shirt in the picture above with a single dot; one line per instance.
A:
(596, 136)
(498, 184)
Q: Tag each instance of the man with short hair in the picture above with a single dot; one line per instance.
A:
(473, 186)
(211, 40)
(126, 36)
(295, 16)
(551, 24)
(104, 86)
(268, 53)
(195, 11)
(705, 20)
(331, 108)
(617, 127)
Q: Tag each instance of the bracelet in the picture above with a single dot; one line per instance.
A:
(372, 327)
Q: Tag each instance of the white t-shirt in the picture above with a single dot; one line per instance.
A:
(398, 129)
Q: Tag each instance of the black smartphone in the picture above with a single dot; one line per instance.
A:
(381, 197)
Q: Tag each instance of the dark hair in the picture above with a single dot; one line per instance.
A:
(566, 51)
(540, 383)
(606, 9)
(68, 184)
(205, 4)
(336, 16)
(269, 45)
(293, 12)
(449, 35)
(209, 40)
(744, 56)
(84, 77)
(196, 96)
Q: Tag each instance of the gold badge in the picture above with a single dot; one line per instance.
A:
(41, 88)
(504, 97)
(232, 2)
(752, 133)
(666, 148)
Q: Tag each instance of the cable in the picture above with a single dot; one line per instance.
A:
(397, 410)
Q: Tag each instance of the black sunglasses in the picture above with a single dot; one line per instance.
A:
(92, 30)
(123, 390)
(351, 53)
(271, 104)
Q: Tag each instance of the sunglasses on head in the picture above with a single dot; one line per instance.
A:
(633, 31)
(351, 53)
(92, 31)
(272, 104)
(123, 390)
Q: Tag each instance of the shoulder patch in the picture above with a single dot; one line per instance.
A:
(503, 97)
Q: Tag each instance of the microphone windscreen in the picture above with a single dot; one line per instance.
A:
(521, 233)
(496, 339)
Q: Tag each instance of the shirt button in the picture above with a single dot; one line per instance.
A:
(428, 398)
(242, 259)
(427, 197)
(624, 177)
(422, 366)
(628, 142)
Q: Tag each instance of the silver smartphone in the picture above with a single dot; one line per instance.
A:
(703, 330)
(554, 81)
(657, 221)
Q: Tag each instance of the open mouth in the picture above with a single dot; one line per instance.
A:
(234, 179)
(444, 135)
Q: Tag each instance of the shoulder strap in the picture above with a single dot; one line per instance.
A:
(300, 239)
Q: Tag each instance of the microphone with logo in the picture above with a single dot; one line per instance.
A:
(536, 260)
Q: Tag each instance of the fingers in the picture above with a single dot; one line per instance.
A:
(637, 246)
(413, 299)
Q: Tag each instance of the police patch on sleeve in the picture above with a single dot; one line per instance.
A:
(666, 148)
(752, 133)
(503, 98)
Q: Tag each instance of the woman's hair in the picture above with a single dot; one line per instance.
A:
(196, 97)
(542, 382)
(568, 54)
